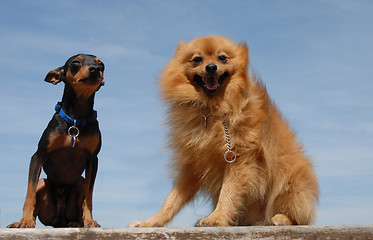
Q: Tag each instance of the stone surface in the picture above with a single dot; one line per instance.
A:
(292, 232)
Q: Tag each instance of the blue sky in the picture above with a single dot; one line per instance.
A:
(314, 56)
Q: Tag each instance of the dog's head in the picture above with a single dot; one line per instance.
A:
(206, 65)
(83, 72)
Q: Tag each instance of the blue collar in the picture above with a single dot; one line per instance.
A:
(74, 121)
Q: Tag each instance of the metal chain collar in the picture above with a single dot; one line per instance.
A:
(205, 114)
(229, 151)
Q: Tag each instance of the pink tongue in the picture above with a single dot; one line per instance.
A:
(211, 83)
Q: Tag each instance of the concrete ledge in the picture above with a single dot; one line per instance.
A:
(292, 232)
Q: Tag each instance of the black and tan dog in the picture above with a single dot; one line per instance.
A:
(68, 147)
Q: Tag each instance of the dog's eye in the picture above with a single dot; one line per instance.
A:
(197, 59)
(76, 63)
(222, 58)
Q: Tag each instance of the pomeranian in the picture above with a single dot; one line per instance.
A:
(230, 141)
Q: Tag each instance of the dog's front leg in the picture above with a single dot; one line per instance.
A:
(239, 188)
(185, 187)
(90, 177)
(29, 207)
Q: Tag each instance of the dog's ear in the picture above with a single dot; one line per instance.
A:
(54, 76)
(180, 47)
(244, 52)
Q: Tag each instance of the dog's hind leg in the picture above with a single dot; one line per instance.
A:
(295, 204)
(45, 203)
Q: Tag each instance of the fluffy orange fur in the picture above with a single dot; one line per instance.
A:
(271, 182)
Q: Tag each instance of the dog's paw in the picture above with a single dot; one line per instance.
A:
(212, 222)
(91, 224)
(22, 224)
(136, 224)
(13, 225)
(281, 220)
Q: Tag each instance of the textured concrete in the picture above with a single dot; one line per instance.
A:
(293, 232)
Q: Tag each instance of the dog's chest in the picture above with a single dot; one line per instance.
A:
(63, 163)
(58, 141)
(202, 145)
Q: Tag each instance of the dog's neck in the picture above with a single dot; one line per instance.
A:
(77, 107)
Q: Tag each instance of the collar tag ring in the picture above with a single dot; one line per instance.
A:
(73, 132)
(232, 155)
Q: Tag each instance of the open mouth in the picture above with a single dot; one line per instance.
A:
(211, 83)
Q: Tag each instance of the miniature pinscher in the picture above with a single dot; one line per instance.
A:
(68, 147)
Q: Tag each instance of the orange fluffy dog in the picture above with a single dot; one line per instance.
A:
(231, 142)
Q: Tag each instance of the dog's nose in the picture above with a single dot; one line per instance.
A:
(94, 69)
(211, 68)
